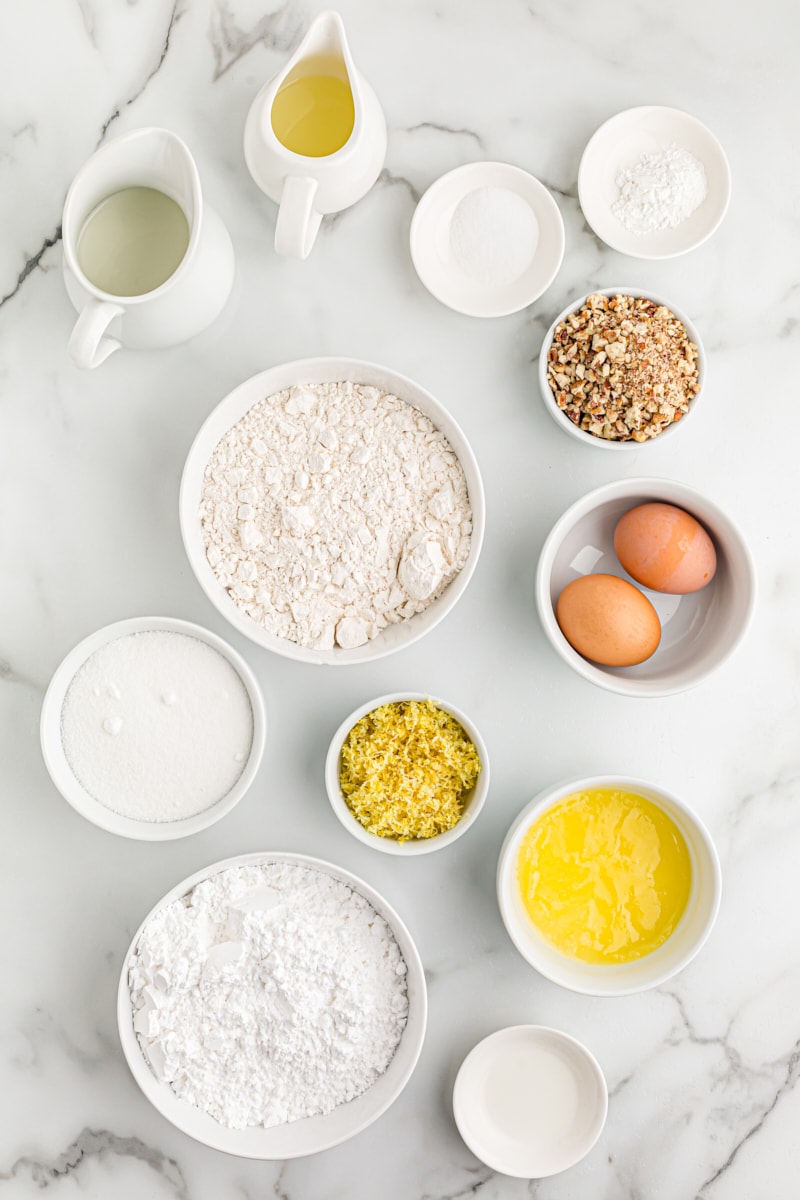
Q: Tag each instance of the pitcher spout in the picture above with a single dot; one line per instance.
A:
(326, 38)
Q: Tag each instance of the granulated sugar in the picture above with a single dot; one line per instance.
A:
(157, 726)
(271, 992)
(332, 510)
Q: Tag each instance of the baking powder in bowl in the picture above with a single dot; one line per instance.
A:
(157, 726)
(331, 510)
(270, 993)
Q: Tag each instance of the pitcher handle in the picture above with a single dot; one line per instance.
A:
(89, 346)
(298, 220)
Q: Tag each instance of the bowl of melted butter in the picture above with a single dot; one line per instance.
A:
(608, 885)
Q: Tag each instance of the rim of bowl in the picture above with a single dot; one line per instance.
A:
(390, 845)
(185, 1116)
(68, 784)
(589, 439)
(545, 800)
(558, 1035)
(680, 494)
(238, 402)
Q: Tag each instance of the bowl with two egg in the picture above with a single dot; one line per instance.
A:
(618, 550)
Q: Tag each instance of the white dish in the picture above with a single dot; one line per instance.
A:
(232, 409)
(433, 257)
(699, 631)
(530, 1101)
(618, 979)
(582, 435)
(314, 1133)
(74, 792)
(473, 802)
(619, 143)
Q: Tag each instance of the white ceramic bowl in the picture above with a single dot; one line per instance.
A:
(313, 1133)
(620, 142)
(433, 257)
(617, 979)
(473, 803)
(61, 772)
(699, 631)
(530, 1101)
(232, 409)
(589, 439)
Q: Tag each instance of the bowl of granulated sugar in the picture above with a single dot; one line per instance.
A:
(153, 728)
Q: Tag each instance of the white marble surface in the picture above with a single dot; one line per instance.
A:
(702, 1071)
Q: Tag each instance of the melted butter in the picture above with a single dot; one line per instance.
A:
(604, 876)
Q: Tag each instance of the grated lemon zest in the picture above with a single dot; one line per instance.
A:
(407, 769)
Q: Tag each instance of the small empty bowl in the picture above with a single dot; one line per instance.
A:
(698, 631)
(473, 802)
(620, 143)
(436, 260)
(582, 435)
(614, 979)
(73, 790)
(530, 1101)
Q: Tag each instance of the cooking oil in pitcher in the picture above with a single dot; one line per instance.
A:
(313, 112)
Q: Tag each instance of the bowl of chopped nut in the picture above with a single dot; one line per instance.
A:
(407, 773)
(621, 367)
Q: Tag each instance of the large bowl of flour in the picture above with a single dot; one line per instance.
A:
(332, 510)
(272, 1005)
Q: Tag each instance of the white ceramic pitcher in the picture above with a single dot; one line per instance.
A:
(198, 288)
(308, 187)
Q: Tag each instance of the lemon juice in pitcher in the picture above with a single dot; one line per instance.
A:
(132, 241)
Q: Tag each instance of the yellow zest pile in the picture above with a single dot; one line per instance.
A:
(406, 770)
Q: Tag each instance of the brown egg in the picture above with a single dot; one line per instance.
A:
(665, 548)
(608, 620)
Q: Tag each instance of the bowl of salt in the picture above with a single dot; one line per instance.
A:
(487, 239)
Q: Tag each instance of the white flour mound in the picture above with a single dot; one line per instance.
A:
(269, 993)
(332, 510)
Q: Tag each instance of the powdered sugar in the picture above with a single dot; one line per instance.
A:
(332, 510)
(271, 992)
(659, 191)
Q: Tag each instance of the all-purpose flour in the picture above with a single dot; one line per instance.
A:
(332, 510)
(269, 993)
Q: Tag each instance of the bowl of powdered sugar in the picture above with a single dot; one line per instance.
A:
(272, 1006)
(654, 182)
(153, 728)
(332, 510)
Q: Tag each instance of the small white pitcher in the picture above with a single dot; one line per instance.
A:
(306, 188)
(195, 292)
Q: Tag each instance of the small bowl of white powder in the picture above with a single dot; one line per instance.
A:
(487, 239)
(654, 182)
(332, 510)
(153, 728)
(272, 1006)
